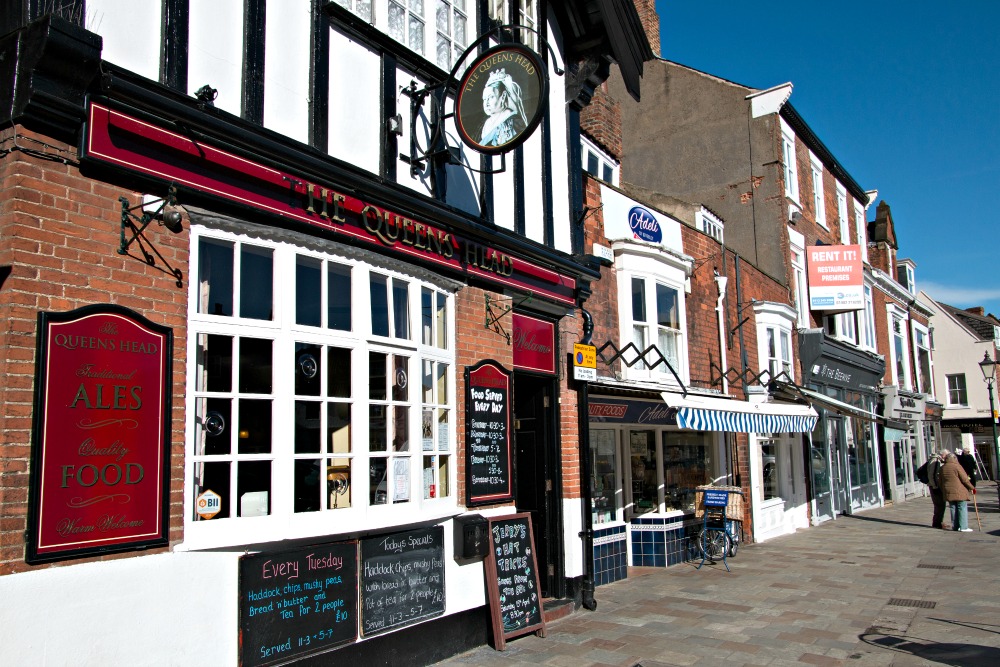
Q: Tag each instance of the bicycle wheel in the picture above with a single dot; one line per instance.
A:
(714, 543)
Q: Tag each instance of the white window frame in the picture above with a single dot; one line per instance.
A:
(789, 162)
(775, 322)
(282, 522)
(654, 266)
(868, 341)
(895, 314)
(378, 15)
(845, 227)
(796, 242)
(604, 161)
(862, 230)
(918, 331)
(711, 224)
(819, 200)
(951, 390)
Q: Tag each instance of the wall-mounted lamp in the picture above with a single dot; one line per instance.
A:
(168, 214)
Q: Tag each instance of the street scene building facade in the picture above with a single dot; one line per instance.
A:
(393, 329)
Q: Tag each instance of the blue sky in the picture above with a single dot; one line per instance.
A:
(906, 95)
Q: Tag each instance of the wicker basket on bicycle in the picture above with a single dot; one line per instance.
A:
(734, 503)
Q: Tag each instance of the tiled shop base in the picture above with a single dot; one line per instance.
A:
(661, 542)
(610, 555)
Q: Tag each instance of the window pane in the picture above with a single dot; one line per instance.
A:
(339, 370)
(380, 305)
(255, 366)
(591, 164)
(608, 174)
(308, 369)
(216, 363)
(253, 486)
(666, 307)
(215, 277)
(400, 379)
(214, 476)
(338, 295)
(256, 283)
(307, 427)
(338, 483)
(442, 384)
(416, 35)
(638, 300)
(400, 480)
(427, 382)
(378, 431)
(401, 429)
(338, 427)
(430, 488)
(426, 316)
(377, 484)
(255, 426)
(442, 53)
(307, 487)
(443, 476)
(214, 418)
(442, 431)
(427, 430)
(401, 309)
(377, 376)
(308, 292)
(442, 321)
(397, 19)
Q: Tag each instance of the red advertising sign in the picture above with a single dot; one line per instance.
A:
(836, 278)
(534, 344)
(100, 452)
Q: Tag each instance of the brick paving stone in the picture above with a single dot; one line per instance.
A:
(818, 597)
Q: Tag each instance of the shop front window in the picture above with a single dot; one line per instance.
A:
(645, 486)
(688, 462)
(604, 479)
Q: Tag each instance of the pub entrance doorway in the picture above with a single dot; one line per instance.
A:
(537, 479)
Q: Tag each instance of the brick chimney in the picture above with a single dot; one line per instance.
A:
(650, 22)
(976, 310)
(602, 121)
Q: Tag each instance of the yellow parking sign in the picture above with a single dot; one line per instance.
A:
(584, 356)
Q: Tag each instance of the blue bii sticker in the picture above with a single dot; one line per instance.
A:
(644, 225)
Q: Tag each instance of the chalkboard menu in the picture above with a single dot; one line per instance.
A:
(488, 466)
(295, 603)
(402, 579)
(512, 579)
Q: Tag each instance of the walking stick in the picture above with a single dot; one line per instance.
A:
(976, 505)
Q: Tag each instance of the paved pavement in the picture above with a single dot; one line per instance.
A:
(878, 588)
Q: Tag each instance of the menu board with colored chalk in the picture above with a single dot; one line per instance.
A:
(512, 579)
(298, 602)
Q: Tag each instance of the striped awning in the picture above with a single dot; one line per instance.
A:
(708, 413)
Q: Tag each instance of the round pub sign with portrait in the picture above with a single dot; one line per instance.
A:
(501, 99)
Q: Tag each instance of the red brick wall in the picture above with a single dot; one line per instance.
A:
(650, 22)
(602, 121)
(59, 233)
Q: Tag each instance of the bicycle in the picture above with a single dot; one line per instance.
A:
(719, 536)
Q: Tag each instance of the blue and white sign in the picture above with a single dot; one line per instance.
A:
(627, 219)
(644, 225)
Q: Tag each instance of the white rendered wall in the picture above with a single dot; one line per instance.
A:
(534, 205)
(178, 608)
(354, 115)
(131, 33)
(286, 68)
(572, 542)
(215, 51)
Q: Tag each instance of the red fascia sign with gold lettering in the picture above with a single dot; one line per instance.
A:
(100, 446)
(534, 344)
(117, 139)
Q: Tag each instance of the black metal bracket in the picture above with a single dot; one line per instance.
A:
(493, 317)
(640, 357)
(137, 225)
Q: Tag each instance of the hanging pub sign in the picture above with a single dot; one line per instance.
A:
(488, 469)
(501, 99)
(100, 445)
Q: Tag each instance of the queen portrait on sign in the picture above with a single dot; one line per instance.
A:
(504, 109)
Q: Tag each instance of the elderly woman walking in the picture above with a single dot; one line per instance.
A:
(957, 490)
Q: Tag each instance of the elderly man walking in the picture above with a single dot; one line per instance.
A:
(957, 490)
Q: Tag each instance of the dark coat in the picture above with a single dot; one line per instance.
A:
(968, 463)
(955, 484)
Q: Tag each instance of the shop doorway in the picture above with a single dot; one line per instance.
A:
(537, 481)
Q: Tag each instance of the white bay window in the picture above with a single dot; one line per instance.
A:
(321, 386)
